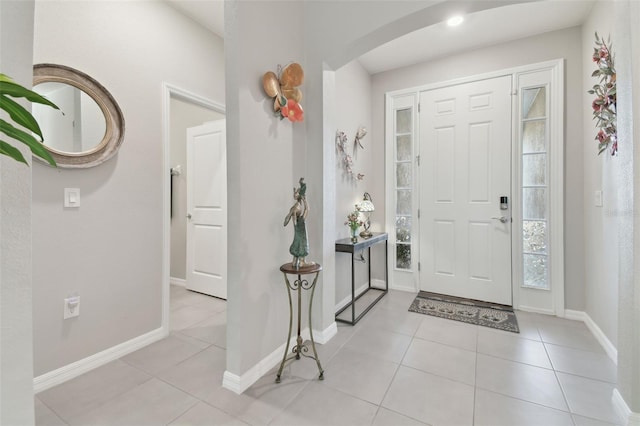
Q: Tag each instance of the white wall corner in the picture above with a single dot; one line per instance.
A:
(75, 369)
(239, 384)
(606, 344)
(323, 336)
(628, 417)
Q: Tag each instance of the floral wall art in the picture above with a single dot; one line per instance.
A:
(604, 104)
(342, 147)
(284, 90)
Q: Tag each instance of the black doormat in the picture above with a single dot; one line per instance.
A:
(470, 311)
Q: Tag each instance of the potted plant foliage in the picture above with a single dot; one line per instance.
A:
(10, 90)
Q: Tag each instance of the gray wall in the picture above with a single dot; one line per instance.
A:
(109, 250)
(626, 39)
(565, 44)
(353, 109)
(600, 223)
(261, 172)
(183, 115)
(16, 338)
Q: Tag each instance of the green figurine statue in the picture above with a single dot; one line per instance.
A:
(298, 214)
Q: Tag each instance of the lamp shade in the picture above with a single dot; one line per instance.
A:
(366, 205)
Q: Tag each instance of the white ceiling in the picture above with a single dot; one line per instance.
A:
(478, 30)
(208, 13)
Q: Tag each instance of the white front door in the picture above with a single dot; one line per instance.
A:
(207, 209)
(465, 151)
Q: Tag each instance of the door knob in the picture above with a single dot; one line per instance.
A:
(189, 216)
(502, 219)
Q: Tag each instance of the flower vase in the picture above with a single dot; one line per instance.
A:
(354, 235)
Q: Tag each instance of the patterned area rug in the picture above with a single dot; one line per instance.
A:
(466, 310)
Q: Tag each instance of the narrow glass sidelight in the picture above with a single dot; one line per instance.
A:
(403, 133)
(535, 188)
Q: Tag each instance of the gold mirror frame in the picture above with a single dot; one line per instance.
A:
(114, 119)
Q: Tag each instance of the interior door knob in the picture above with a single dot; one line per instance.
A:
(501, 219)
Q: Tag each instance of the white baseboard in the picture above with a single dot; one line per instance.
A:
(606, 344)
(178, 281)
(629, 417)
(402, 288)
(323, 336)
(239, 384)
(75, 369)
(536, 310)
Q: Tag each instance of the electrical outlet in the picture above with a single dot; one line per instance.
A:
(71, 307)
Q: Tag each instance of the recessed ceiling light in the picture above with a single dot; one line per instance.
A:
(454, 21)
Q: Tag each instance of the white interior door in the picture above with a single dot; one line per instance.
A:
(207, 209)
(465, 148)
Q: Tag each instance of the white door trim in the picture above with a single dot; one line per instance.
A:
(170, 91)
(556, 173)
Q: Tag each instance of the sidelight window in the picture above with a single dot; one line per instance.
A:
(403, 130)
(535, 188)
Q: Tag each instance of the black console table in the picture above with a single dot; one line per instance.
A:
(347, 246)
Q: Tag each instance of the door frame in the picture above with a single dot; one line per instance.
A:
(170, 91)
(408, 280)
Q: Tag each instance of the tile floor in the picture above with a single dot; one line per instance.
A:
(393, 368)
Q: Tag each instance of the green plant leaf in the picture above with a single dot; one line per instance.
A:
(36, 147)
(11, 151)
(20, 115)
(16, 91)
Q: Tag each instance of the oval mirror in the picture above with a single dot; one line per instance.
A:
(89, 127)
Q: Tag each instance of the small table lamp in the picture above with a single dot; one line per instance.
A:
(366, 206)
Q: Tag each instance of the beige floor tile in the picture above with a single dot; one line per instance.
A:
(152, 403)
(492, 409)
(360, 375)
(380, 343)
(389, 418)
(430, 399)
(259, 404)
(45, 416)
(203, 414)
(320, 405)
(188, 316)
(448, 332)
(199, 375)
(585, 421)
(397, 321)
(571, 336)
(594, 365)
(442, 360)
(165, 353)
(522, 381)
(589, 398)
(397, 300)
(92, 389)
(512, 347)
(212, 330)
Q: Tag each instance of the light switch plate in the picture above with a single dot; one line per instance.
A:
(72, 197)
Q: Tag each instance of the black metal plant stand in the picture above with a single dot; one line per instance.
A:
(298, 285)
